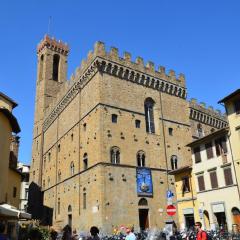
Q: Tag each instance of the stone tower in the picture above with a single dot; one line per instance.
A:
(51, 74)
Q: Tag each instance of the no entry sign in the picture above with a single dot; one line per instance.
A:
(171, 210)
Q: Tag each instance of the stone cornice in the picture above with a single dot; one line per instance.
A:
(115, 69)
(207, 118)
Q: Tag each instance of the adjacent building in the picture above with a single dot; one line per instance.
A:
(104, 141)
(232, 106)
(24, 169)
(216, 184)
(10, 177)
(186, 197)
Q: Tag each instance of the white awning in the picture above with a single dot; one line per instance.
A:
(9, 211)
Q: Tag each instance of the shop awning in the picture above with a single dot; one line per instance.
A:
(8, 211)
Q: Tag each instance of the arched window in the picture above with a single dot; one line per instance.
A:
(85, 161)
(115, 155)
(72, 169)
(143, 202)
(141, 159)
(174, 162)
(84, 199)
(56, 59)
(69, 208)
(149, 115)
(59, 176)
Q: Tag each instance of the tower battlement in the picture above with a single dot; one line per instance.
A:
(53, 44)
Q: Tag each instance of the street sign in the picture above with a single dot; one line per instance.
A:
(171, 210)
(170, 194)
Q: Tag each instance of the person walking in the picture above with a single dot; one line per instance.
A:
(94, 233)
(201, 235)
(130, 234)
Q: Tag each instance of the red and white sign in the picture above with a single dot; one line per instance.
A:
(171, 210)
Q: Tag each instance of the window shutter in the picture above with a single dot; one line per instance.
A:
(213, 178)
(197, 154)
(217, 145)
(209, 150)
(201, 183)
(224, 145)
(228, 176)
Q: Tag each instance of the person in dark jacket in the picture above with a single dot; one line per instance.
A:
(94, 233)
(67, 233)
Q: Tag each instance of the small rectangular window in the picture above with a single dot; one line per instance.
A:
(26, 193)
(201, 183)
(209, 150)
(59, 147)
(237, 106)
(72, 136)
(213, 178)
(84, 200)
(137, 123)
(14, 192)
(185, 184)
(114, 118)
(84, 126)
(221, 146)
(228, 176)
(197, 154)
(170, 131)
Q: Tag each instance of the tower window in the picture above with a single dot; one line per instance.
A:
(84, 126)
(141, 159)
(72, 136)
(170, 131)
(115, 155)
(149, 116)
(59, 147)
(114, 118)
(56, 59)
(72, 169)
(174, 162)
(84, 200)
(137, 123)
(85, 161)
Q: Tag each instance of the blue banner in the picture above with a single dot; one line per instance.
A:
(144, 182)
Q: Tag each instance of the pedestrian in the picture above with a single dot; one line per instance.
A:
(53, 234)
(94, 233)
(75, 235)
(130, 234)
(201, 235)
(2, 230)
(67, 233)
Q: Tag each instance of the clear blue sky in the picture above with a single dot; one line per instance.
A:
(199, 38)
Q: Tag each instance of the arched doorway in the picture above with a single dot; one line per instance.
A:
(70, 215)
(206, 219)
(143, 213)
(236, 216)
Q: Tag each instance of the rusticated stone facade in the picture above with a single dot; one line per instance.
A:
(91, 132)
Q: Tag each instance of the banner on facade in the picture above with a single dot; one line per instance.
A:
(144, 182)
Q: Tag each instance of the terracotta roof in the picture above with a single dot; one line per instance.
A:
(233, 94)
(13, 121)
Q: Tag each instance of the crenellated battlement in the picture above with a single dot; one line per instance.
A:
(53, 44)
(122, 67)
(208, 115)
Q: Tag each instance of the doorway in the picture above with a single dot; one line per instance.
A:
(189, 221)
(143, 219)
(70, 220)
(221, 220)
